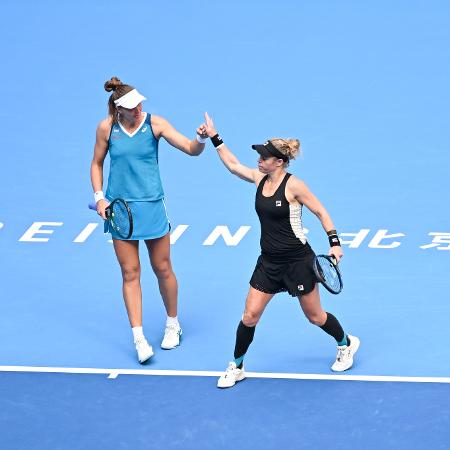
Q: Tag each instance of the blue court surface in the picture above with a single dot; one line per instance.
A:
(162, 412)
(364, 87)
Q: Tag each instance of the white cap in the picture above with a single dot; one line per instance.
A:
(130, 100)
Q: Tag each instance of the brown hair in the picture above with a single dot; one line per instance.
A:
(119, 90)
(289, 147)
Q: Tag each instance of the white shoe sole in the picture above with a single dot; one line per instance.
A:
(223, 386)
(174, 346)
(146, 358)
(170, 348)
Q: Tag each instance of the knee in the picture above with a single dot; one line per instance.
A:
(163, 269)
(130, 273)
(250, 318)
(317, 319)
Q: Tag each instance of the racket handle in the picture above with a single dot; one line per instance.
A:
(93, 206)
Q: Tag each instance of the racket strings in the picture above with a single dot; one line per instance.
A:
(119, 219)
(329, 273)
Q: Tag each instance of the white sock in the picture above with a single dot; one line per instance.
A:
(137, 333)
(172, 321)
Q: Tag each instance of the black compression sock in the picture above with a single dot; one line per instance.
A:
(244, 337)
(333, 328)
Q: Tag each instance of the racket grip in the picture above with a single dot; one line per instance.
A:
(93, 206)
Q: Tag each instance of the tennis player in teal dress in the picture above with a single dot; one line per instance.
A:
(131, 137)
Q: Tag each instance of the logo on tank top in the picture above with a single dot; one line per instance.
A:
(144, 129)
(278, 203)
(300, 287)
(115, 137)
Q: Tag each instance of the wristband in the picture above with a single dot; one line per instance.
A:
(333, 238)
(98, 196)
(201, 140)
(216, 140)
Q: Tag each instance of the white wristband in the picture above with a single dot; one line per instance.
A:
(201, 140)
(98, 196)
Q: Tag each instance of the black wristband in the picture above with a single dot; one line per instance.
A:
(216, 140)
(333, 239)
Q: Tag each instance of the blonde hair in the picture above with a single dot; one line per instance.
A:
(119, 90)
(289, 147)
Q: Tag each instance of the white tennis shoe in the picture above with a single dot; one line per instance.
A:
(231, 376)
(144, 349)
(172, 335)
(344, 358)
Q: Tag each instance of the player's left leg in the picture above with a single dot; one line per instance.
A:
(347, 345)
(159, 253)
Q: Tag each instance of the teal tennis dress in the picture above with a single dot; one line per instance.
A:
(134, 177)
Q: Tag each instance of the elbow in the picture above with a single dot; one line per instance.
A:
(231, 167)
(96, 166)
(192, 150)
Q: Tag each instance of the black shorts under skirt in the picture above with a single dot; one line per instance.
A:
(294, 276)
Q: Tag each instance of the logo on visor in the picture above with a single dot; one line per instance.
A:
(300, 287)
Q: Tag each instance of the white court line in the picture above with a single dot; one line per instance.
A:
(114, 373)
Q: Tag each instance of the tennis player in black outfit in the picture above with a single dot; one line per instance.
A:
(285, 263)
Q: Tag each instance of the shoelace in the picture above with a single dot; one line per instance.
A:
(140, 341)
(172, 329)
(230, 370)
(341, 353)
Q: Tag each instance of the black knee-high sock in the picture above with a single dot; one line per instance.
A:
(244, 337)
(333, 328)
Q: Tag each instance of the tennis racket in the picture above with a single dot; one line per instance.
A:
(119, 217)
(328, 273)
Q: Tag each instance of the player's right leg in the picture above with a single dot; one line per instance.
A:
(254, 307)
(127, 253)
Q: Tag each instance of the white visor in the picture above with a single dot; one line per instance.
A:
(130, 100)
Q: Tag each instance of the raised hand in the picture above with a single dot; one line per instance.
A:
(209, 124)
(201, 131)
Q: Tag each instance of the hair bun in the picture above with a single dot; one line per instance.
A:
(294, 145)
(289, 147)
(112, 84)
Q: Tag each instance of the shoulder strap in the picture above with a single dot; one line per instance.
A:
(282, 185)
(261, 184)
(110, 133)
(148, 121)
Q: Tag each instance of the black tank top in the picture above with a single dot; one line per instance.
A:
(282, 236)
